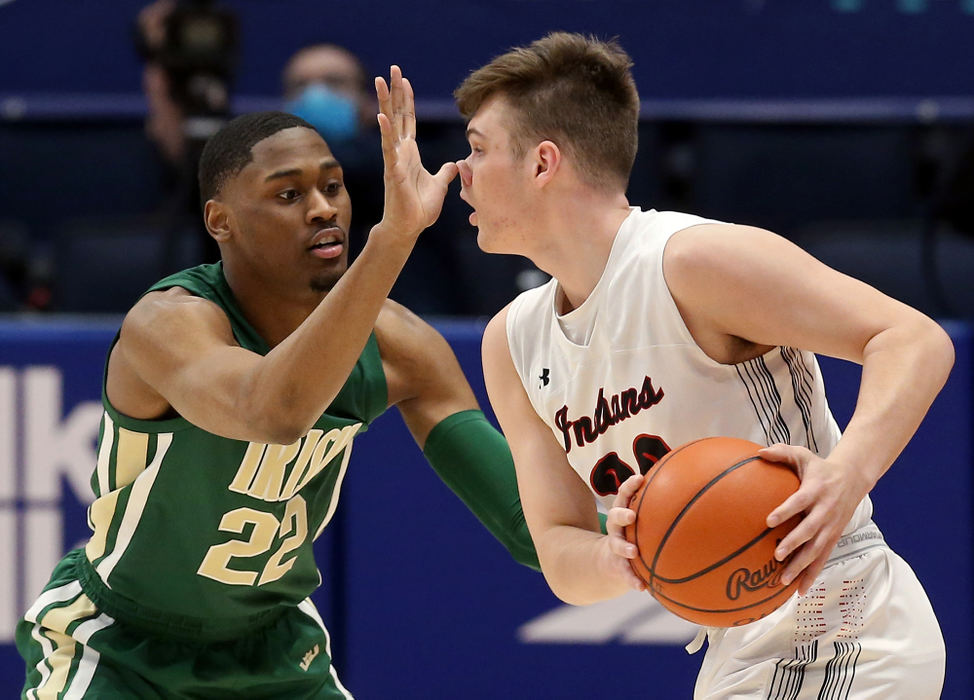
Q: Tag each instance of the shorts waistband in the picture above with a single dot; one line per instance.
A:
(854, 543)
(166, 624)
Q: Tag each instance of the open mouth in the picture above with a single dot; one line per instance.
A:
(328, 243)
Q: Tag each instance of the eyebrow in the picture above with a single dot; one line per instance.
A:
(327, 164)
(473, 132)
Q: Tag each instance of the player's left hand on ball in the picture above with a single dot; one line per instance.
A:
(827, 498)
(617, 519)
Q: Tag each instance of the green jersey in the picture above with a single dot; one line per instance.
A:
(199, 532)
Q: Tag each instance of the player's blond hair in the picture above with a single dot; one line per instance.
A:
(574, 90)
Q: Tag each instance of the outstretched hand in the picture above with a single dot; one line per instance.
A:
(413, 197)
(827, 498)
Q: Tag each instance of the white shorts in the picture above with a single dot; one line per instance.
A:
(864, 631)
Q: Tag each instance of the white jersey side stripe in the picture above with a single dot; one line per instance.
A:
(89, 658)
(105, 454)
(308, 608)
(55, 595)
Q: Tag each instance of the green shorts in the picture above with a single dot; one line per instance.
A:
(73, 649)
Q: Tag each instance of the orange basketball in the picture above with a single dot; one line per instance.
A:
(705, 551)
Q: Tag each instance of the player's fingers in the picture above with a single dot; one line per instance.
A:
(805, 531)
(627, 489)
(383, 97)
(779, 452)
(635, 582)
(618, 518)
(622, 548)
(812, 571)
(444, 176)
(790, 455)
(805, 566)
(388, 142)
(796, 504)
(396, 91)
(408, 110)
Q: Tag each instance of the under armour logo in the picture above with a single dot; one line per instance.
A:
(308, 658)
(544, 377)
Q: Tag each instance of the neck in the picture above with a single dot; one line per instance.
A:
(577, 243)
(273, 312)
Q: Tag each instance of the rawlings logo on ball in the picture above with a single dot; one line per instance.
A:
(768, 576)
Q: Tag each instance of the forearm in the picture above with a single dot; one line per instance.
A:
(904, 368)
(307, 369)
(474, 461)
(576, 564)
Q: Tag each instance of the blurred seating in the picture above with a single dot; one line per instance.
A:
(14, 261)
(50, 171)
(104, 264)
(928, 266)
(781, 177)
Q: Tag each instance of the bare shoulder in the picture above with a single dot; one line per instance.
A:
(175, 310)
(495, 334)
(401, 333)
(722, 245)
(158, 334)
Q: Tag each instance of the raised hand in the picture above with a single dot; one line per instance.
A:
(413, 197)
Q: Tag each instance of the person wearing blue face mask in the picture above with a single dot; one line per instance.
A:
(327, 86)
(331, 113)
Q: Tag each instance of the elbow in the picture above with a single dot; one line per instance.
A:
(567, 595)
(940, 352)
(283, 434)
(273, 424)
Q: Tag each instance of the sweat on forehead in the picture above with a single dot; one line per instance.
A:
(230, 149)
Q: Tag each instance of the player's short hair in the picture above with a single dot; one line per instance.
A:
(575, 90)
(229, 150)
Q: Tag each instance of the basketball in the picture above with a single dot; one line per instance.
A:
(705, 551)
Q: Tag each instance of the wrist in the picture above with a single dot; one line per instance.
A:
(391, 238)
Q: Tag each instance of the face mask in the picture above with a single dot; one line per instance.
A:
(332, 114)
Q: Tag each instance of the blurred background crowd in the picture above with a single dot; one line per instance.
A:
(820, 123)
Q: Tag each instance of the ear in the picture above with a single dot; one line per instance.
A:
(547, 162)
(216, 216)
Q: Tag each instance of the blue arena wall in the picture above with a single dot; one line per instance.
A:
(692, 49)
(421, 601)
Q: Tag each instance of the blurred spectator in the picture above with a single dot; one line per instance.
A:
(186, 82)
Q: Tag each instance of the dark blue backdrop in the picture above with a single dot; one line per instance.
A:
(682, 48)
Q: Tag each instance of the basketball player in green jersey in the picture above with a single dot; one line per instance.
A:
(232, 396)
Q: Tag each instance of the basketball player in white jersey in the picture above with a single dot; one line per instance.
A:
(659, 328)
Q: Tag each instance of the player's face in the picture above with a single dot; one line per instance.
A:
(494, 182)
(291, 212)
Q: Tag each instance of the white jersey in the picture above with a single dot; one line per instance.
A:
(620, 380)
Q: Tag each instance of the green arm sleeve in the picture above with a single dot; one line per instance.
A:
(473, 460)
